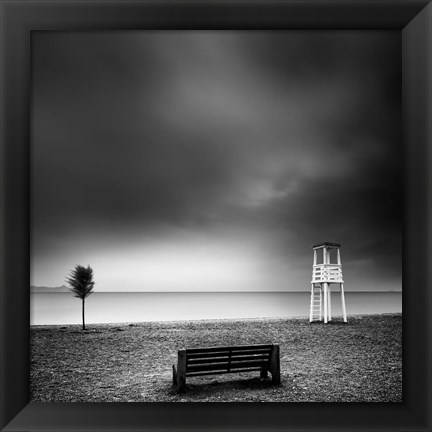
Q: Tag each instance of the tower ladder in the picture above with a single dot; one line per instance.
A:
(316, 303)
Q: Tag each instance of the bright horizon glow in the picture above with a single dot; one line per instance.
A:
(201, 265)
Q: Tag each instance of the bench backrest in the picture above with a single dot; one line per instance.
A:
(219, 360)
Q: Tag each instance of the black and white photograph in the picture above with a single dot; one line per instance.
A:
(216, 216)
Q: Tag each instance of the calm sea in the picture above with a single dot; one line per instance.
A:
(104, 307)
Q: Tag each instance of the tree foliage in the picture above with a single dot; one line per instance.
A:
(81, 281)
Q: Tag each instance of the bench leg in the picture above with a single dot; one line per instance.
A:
(264, 373)
(181, 371)
(174, 376)
(275, 365)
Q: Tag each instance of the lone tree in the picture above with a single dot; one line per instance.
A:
(81, 281)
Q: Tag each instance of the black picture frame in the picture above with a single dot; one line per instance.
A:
(412, 18)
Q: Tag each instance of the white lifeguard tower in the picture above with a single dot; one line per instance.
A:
(323, 275)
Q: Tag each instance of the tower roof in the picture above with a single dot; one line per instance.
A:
(326, 245)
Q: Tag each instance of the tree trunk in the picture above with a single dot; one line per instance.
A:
(83, 314)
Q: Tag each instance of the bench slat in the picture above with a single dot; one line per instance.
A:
(227, 366)
(208, 355)
(221, 372)
(232, 348)
(225, 358)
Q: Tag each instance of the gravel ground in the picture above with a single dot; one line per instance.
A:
(360, 361)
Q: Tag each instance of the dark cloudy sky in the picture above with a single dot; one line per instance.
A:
(174, 160)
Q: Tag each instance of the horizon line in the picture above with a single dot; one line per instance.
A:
(213, 291)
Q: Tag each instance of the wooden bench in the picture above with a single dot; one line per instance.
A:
(228, 359)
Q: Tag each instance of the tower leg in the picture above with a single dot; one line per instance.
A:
(320, 304)
(343, 303)
(311, 303)
(325, 302)
(329, 303)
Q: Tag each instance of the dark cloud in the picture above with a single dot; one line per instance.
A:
(156, 144)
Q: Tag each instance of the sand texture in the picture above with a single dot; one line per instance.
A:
(360, 361)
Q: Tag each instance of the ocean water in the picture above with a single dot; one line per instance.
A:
(105, 307)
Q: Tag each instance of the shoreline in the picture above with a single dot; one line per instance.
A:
(210, 320)
(64, 309)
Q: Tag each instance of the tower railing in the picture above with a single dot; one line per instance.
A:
(330, 273)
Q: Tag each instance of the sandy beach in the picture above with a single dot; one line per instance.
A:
(360, 361)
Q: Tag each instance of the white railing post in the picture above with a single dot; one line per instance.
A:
(311, 303)
(343, 303)
(325, 302)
